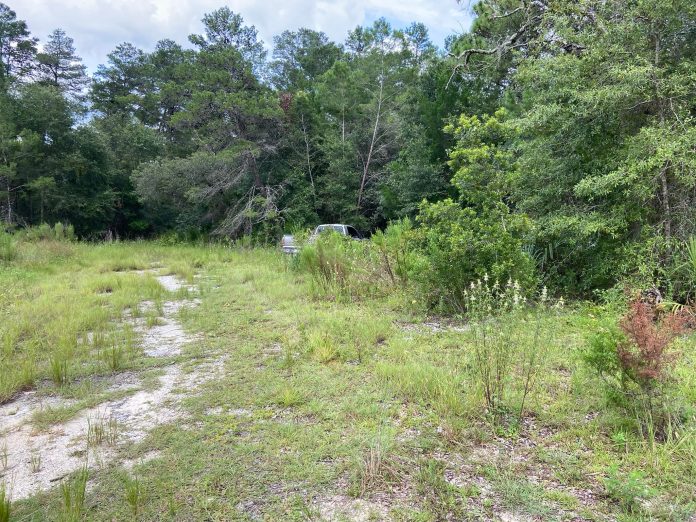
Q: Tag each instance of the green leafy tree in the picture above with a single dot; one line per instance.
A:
(607, 148)
(59, 65)
(300, 58)
(17, 47)
(479, 235)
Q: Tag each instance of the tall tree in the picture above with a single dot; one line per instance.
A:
(225, 29)
(608, 148)
(59, 65)
(120, 86)
(17, 47)
(300, 58)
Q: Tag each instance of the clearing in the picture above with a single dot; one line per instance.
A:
(207, 383)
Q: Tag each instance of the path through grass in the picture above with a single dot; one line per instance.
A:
(322, 410)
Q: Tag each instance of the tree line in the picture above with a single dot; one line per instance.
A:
(553, 138)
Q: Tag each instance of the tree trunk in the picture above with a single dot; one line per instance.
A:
(309, 163)
(366, 168)
(9, 202)
(664, 181)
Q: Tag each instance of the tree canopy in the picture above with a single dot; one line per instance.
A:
(553, 137)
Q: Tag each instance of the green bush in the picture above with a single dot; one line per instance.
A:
(636, 362)
(628, 489)
(461, 246)
(398, 257)
(8, 249)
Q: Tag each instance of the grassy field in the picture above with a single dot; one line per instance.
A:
(314, 409)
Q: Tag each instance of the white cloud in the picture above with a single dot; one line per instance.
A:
(97, 26)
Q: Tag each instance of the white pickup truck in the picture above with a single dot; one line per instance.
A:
(289, 246)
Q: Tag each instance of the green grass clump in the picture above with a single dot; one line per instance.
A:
(73, 493)
(5, 505)
(133, 495)
(8, 249)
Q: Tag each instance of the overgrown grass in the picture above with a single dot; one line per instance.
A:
(348, 402)
(62, 306)
(73, 491)
(5, 506)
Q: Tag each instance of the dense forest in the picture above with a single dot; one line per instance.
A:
(553, 140)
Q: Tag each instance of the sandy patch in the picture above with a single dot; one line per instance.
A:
(36, 461)
(341, 507)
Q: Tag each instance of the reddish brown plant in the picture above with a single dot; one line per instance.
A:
(647, 356)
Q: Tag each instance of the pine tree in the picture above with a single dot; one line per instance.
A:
(60, 66)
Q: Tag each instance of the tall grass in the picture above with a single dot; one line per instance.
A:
(683, 271)
(133, 495)
(73, 496)
(441, 388)
(341, 268)
(8, 249)
(62, 302)
(5, 505)
(399, 260)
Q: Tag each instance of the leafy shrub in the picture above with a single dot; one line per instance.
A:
(8, 249)
(461, 245)
(628, 489)
(341, 267)
(636, 362)
(645, 358)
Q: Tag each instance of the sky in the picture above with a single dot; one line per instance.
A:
(97, 26)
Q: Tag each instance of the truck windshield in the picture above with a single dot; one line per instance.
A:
(337, 228)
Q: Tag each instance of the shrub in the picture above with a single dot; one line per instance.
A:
(645, 357)
(341, 267)
(8, 249)
(462, 245)
(636, 362)
(628, 489)
(398, 257)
